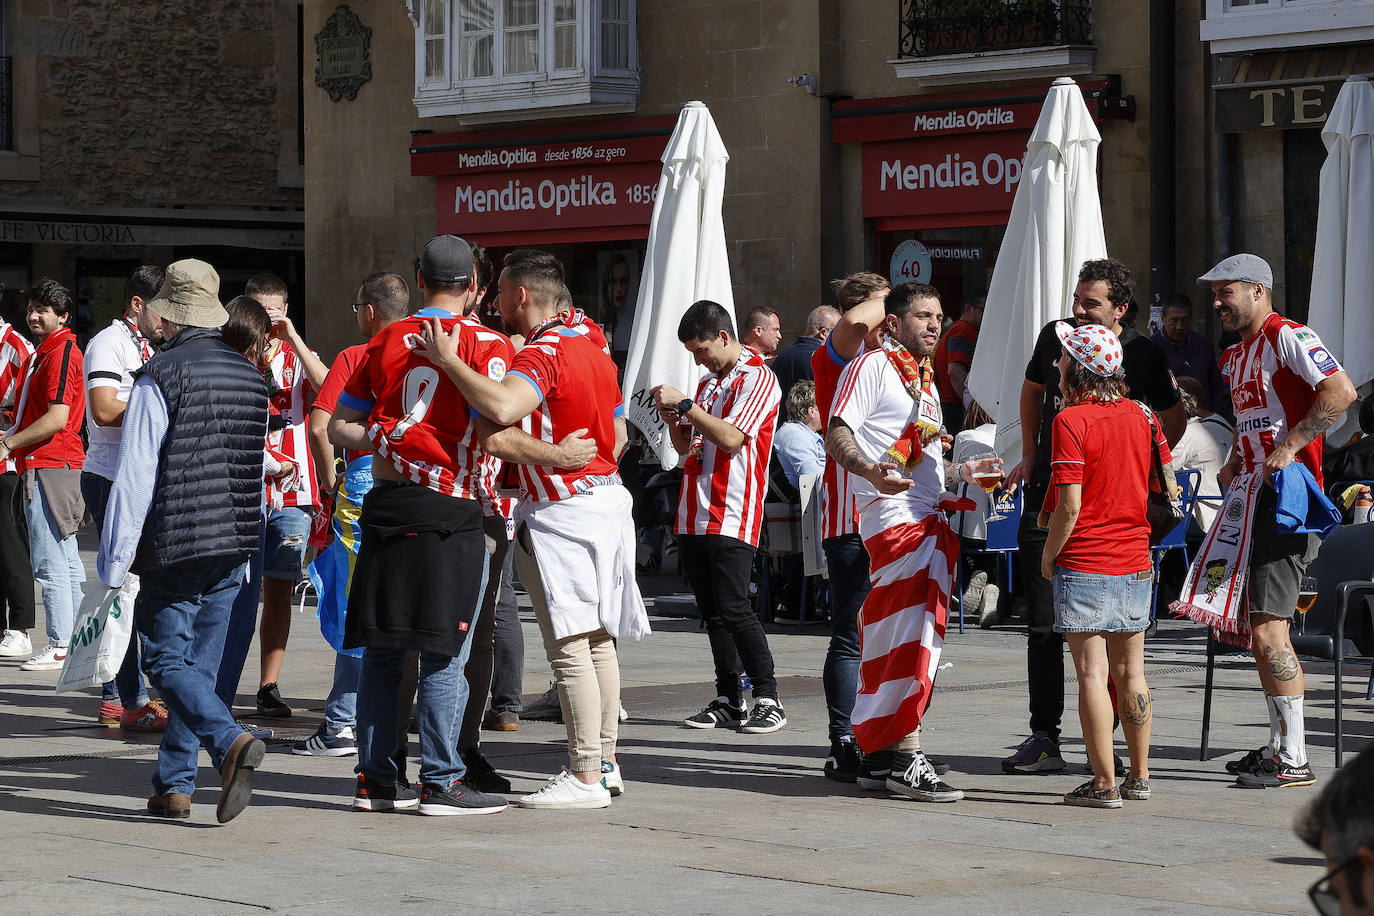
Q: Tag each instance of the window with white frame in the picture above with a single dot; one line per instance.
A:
(476, 59)
(1233, 26)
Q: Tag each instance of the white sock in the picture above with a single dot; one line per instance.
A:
(1274, 725)
(1291, 744)
(766, 701)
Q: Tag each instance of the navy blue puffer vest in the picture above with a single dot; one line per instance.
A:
(208, 500)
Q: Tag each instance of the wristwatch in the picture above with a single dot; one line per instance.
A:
(685, 405)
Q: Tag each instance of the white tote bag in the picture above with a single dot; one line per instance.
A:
(104, 625)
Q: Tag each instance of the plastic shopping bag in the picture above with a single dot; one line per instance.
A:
(104, 625)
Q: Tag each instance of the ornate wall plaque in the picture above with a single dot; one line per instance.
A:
(341, 63)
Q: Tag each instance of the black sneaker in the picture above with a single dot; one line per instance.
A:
(545, 708)
(913, 776)
(873, 771)
(1118, 767)
(1250, 763)
(371, 795)
(720, 712)
(270, 702)
(766, 716)
(939, 766)
(1275, 774)
(843, 763)
(458, 799)
(1037, 754)
(481, 776)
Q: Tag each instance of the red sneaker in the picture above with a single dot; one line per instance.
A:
(109, 714)
(149, 718)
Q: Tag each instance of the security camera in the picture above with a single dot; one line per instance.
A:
(806, 81)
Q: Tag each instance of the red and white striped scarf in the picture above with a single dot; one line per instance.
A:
(902, 627)
(1215, 591)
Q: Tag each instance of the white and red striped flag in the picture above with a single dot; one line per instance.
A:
(902, 627)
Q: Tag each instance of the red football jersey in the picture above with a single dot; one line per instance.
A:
(418, 421)
(567, 362)
(839, 513)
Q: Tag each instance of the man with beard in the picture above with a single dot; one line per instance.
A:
(1287, 390)
(885, 430)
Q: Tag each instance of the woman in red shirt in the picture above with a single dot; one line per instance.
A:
(1098, 553)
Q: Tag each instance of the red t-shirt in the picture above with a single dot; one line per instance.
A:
(1105, 447)
(839, 514)
(53, 373)
(568, 364)
(955, 347)
(344, 366)
(418, 421)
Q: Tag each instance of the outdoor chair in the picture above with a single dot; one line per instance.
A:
(1004, 519)
(1341, 600)
(1189, 479)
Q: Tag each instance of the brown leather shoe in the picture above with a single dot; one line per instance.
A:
(501, 721)
(236, 775)
(173, 804)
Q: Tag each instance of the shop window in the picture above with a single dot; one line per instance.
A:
(943, 42)
(480, 60)
(1249, 25)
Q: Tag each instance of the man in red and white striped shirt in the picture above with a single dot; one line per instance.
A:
(860, 300)
(16, 571)
(574, 544)
(726, 431)
(295, 371)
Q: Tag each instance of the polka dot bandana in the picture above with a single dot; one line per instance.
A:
(1092, 345)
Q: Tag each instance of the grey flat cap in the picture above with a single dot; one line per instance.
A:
(1248, 268)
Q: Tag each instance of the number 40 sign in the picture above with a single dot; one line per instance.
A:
(910, 263)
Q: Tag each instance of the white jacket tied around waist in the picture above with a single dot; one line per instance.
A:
(585, 548)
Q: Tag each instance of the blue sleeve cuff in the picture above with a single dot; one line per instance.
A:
(619, 411)
(354, 403)
(533, 383)
(834, 354)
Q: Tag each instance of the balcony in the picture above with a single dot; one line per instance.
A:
(946, 42)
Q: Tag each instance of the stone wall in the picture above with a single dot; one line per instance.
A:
(146, 104)
(792, 210)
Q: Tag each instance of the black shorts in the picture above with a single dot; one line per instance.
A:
(1278, 561)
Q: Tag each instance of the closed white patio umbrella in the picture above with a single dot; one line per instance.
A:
(1055, 225)
(1340, 308)
(685, 262)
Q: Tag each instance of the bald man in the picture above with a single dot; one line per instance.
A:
(793, 363)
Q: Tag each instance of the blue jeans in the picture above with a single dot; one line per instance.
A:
(341, 706)
(440, 702)
(847, 562)
(1097, 603)
(243, 620)
(56, 565)
(127, 687)
(181, 612)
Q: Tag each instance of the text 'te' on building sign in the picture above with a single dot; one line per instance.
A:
(341, 47)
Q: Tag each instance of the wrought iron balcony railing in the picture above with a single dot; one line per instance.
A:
(6, 103)
(932, 27)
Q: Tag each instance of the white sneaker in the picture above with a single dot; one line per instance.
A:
(15, 644)
(50, 659)
(612, 778)
(567, 791)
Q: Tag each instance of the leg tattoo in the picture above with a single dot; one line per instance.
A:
(1283, 664)
(1135, 708)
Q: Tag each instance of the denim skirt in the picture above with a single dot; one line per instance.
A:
(1088, 603)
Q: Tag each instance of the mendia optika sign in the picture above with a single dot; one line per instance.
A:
(941, 160)
(529, 187)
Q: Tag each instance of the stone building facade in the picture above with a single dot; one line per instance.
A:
(144, 133)
(383, 168)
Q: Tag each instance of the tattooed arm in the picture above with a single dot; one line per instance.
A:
(1334, 395)
(840, 445)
